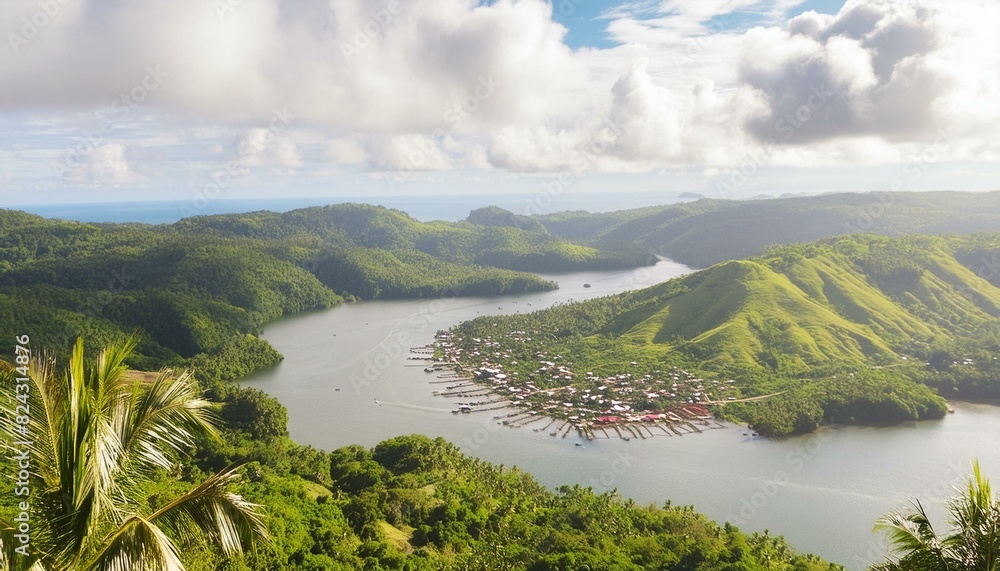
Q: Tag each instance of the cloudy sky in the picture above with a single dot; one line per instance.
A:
(111, 100)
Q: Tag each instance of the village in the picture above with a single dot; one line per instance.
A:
(550, 396)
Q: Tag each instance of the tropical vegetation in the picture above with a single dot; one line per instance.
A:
(840, 330)
(972, 541)
(88, 448)
(112, 487)
(197, 289)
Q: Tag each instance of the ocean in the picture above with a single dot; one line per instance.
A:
(424, 208)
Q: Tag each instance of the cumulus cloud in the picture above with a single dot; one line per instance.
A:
(468, 84)
(105, 165)
(259, 147)
(381, 66)
(878, 68)
(345, 152)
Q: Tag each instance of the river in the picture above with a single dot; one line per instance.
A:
(346, 379)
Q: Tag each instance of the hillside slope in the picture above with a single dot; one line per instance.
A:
(879, 310)
(709, 231)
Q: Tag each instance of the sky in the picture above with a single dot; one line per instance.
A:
(109, 100)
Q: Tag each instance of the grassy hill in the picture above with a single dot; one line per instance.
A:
(707, 231)
(870, 311)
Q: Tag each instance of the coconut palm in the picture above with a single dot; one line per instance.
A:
(97, 436)
(972, 543)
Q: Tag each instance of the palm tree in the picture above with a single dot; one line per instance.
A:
(972, 543)
(97, 437)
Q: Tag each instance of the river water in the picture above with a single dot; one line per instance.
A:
(346, 379)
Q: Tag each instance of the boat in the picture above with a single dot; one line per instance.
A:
(586, 285)
(428, 369)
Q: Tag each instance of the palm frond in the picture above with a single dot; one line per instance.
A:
(913, 537)
(94, 437)
(909, 532)
(111, 370)
(162, 419)
(211, 511)
(138, 545)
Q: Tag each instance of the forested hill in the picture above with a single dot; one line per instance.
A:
(201, 288)
(482, 242)
(707, 232)
(871, 310)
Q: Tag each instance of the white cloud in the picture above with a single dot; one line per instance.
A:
(259, 147)
(890, 68)
(105, 165)
(345, 152)
(464, 84)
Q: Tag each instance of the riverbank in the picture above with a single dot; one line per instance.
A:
(822, 491)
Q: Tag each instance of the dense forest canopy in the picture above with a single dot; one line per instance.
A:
(196, 289)
(841, 328)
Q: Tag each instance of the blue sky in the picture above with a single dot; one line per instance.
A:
(731, 98)
(587, 20)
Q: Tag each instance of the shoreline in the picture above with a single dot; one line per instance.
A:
(677, 421)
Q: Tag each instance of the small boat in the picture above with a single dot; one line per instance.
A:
(337, 389)
(578, 444)
(428, 369)
(586, 285)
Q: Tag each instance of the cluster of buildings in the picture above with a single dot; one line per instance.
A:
(546, 384)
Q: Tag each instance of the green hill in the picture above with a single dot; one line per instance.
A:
(881, 311)
(198, 288)
(707, 231)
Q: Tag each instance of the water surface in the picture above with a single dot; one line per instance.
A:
(345, 379)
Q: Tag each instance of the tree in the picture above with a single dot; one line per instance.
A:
(97, 438)
(972, 543)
